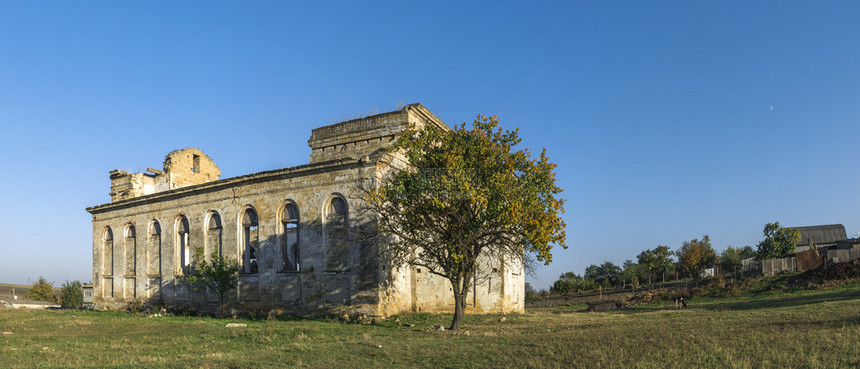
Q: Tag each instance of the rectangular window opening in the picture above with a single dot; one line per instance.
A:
(195, 168)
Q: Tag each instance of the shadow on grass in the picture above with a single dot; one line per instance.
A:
(784, 300)
(763, 301)
(812, 324)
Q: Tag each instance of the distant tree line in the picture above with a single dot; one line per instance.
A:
(661, 264)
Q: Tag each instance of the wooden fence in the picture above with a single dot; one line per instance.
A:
(806, 260)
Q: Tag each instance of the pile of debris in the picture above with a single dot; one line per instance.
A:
(638, 298)
(604, 306)
(823, 274)
(642, 298)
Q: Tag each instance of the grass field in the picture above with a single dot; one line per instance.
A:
(797, 329)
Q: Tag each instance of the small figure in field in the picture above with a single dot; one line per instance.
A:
(680, 303)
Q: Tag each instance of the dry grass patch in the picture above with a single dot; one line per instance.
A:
(799, 329)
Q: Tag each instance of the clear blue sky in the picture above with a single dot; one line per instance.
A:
(668, 120)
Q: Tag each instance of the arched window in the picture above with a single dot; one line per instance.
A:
(290, 238)
(130, 250)
(107, 250)
(130, 262)
(337, 252)
(107, 262)
(182, 241)
(153, 249)
(337, 207)
(213, 234)
(250, 242)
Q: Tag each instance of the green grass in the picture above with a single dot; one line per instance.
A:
(773, 329)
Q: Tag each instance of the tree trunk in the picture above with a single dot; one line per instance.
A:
(221, 305)
(461, 287)
(459, 311)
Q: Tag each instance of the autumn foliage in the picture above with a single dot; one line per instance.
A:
(695, 255)
(468, 194)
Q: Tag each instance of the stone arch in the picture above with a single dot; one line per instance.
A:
(249, 239)
(107, 262)
(335, 224)
(336, 205)
(129, 281)
(214, 232)
(107, 251)
(183, 243)
(290, 250)
(130, 249)
(153, 248)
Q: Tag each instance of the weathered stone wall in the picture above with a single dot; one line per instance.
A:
(126, 185)
(138, 238)
(188, 167)
(310, 188)
(496, 288)
(359, 137)
(355, 138)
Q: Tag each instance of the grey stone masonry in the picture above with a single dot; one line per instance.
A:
(291, 231)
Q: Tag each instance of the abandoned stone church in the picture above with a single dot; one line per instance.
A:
(291, 231)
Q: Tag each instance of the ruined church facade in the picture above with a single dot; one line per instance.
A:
(291, 230)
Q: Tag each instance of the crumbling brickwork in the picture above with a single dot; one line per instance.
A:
(186, 167)
(291, 231)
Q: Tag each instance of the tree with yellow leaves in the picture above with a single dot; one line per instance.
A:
(467, 195)
(695, 255)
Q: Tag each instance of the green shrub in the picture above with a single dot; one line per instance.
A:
(73, 294)
(219, 274)
(42, 291)
(136, 305)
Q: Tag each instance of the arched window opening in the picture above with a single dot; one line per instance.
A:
(213, 234)
(107, 250)
(337, 252)
(107, 263)
(154, 249)
(290, 239)
(250, 241)
(337, 207)
(182, 239)
(130, 250)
